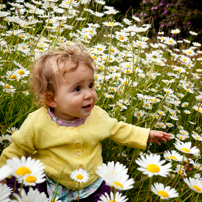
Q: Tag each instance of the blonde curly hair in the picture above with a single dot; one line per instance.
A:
(48, 71)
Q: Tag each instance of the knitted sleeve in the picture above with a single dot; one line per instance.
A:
(127, 134)
(23, 144)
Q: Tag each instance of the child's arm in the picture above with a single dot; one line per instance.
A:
(156, 136)
(3, 181)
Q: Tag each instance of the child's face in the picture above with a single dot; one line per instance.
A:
(76, 95)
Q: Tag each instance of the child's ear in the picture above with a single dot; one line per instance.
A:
(50, 99)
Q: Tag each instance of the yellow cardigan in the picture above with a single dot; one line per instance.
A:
(68, 148)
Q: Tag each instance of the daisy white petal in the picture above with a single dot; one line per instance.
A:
(185, 147)
(80, 175)
(27, 167)
(152, 165)
(117, 198)
(194, 184)
(164, 192)
(32, 195)
(5, 192)
(5, 171)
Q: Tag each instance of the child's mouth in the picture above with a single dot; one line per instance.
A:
(87, 106)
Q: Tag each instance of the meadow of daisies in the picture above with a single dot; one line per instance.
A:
(152, 82)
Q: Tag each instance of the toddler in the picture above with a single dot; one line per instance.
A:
(65, 133)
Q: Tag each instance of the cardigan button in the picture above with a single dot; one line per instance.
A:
(78, 154)
(74, 130)
(78, 145)
(82, 166)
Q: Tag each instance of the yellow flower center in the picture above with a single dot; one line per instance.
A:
(170, 41)
(111, 24)
(31, 179)
(79, 177)
(23, 171)
(173, 157)
(153, 168)
(121, 38)
(180, 137)
(13, 76)
(197, 188)
(147, 105)
(197, 138)
(112, 201)
(125, 82)
(138, 114)
(112, 50)
(163, 193)
(118, 184)
(21, 72)
(7, 86)
(185, 149)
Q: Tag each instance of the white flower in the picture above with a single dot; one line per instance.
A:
(173, 155)
(115, 175)
(28, 170)
(117, 198)
(32, 195)
(80, 175)
(194, 184)
(164, 192)
(5, 171)
(186, 148)
(50, 199)
(152, 165)
(5, 192)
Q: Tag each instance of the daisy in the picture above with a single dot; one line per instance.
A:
(175, 31)
(173, 155)
(182, 137)
(50, 199)
(196, 165)
(113, 197)
(32, 195)
(106, 170)
(197, 137)
(6, 138)
(139, 113)
(164, 192)
(186, 148)
(5, 171)
(5, 192)
(194, 184)
(169, 41)
(29, 170)
(152, 165)
(80, 175)
(193, 33)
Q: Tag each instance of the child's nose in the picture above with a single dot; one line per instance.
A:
(88, 94)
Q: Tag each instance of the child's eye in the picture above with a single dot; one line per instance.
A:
(77, 89)
(91, 85)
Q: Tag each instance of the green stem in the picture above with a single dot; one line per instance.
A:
(149, 188)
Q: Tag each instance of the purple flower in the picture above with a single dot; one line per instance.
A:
(189, 23)
(165, 11)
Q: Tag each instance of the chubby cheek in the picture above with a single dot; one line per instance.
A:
(95, 98)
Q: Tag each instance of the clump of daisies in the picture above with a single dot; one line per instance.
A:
(115, 175)
(28, 171)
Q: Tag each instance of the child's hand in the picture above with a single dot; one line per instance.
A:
(155, 136)
(3, 181)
